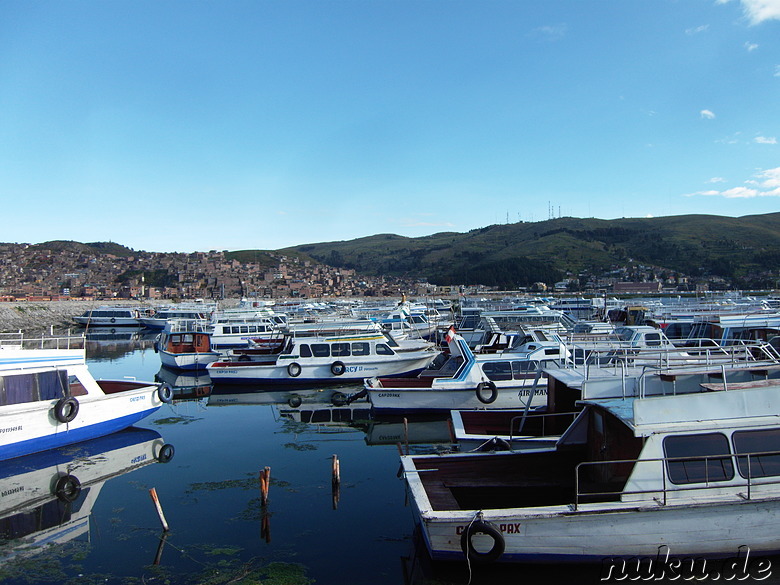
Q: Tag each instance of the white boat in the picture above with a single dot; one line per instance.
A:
(185, 344)
(232, 330)
(163, 315)
(511, 379)
(695, 474)
(108, 316)
(691, 470)
(48, 398)
(336, 359)
(47, 497)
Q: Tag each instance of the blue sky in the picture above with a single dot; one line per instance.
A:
(172, 125)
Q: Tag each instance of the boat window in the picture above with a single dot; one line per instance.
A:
(653, 339)
(23, 388)
(360, 348)
(696, 458)
(320, 349)
(764, 449)
(188, 338)
(382, 349)
(76, 387)
(497, 370)
(469, 322)
(235, 329)
(305, 350)
(521, 369)
(244, 329)
(339, 349)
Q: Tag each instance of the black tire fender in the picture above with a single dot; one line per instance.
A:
(294, 369)
(482, 527)
(68, 488)
(339, 399)
(294, 401)
(337, 368)
(113, 320)
(480, 391)
(165, 393)
(166, 453)
(66, 409)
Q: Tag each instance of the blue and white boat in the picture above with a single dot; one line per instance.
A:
(48, 397)
(185, 344)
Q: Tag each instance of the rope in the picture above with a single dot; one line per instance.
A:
(477, 516)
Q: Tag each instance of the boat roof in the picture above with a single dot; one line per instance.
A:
(715, 408)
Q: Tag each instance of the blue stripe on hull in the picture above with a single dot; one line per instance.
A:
(68, 437)
(306, 381)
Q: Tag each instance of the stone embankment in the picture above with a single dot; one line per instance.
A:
(36, 318)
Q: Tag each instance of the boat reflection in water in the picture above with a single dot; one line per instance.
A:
(186, 385)
(46, 498)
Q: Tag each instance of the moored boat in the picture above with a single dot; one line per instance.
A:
(108, 316)
(185, 344)
(48, 398)
(335, 359)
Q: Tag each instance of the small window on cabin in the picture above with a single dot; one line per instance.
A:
(701, 458)
(305, 350)
(236, 329)
(340, 350)
(320, 349)
(187, 338)
(76, 387)
(552, 351)
(252, 329)
(521, 369)
(360, 348)
(653, 339)
(244, 329)
(19, 389)
(225, 330)
(763, 446)
(497, 371)
(382, 349)
(469, 322)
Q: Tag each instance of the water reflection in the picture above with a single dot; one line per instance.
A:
(47, 498)
(186, 385)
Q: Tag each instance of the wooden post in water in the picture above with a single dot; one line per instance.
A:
(335, 481)
(406, 434)
(158, 506)
(265, 481)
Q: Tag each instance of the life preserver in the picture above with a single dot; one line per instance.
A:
(165, 392)
(67, 488)
(490, 398)
(166, 453)
(66, 409)
(294, 369)
(482, 527)
(113, 320)
(294, 401)
(337, 368)
(339, 399)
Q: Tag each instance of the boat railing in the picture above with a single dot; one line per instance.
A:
(711, 470)
(67, 341)
(543, 422)
(705, 353)
(188, 326)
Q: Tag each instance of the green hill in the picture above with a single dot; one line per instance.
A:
(519, 254)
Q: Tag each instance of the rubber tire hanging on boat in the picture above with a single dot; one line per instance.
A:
(66, 409)
(491, 398)
(294, 401)
(485, 528)
(165, 393)
(113, 320)
(166, 453)
(337, 368)
(339, 399)
(294, 369)
(67, 489)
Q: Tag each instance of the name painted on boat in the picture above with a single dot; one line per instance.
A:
(389, 395)
(138, 459)
(12, 491)
(513, 528)
(137, 398)
(10, 429)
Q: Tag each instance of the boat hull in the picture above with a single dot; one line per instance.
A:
(430, 399)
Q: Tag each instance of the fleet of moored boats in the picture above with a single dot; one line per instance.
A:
(581, 432)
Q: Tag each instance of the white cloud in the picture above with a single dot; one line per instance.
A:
(707, 114)
(758, 11)
(766, 183)
(751, 46)
(696, 29)
(551, 32)
(716, 180)
(765, 140)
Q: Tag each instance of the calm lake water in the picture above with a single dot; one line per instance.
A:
(210, 494)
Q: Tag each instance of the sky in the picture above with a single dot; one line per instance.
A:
(181, 126)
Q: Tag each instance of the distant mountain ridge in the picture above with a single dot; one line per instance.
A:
(742, 250)
(518, 254)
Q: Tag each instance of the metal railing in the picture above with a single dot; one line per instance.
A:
(736, 482)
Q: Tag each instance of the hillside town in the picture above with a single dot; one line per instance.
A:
(29, 272)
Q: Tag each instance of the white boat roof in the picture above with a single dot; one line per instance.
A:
(746, 405)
